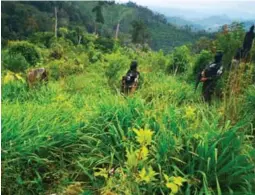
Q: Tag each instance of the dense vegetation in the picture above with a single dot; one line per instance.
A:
(77, 134)
(22, 19)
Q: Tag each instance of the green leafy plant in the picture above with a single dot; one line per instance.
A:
(180, 60)
(15, 62)
(26, 49)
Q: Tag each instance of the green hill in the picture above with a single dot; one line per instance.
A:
(21, 19)
(180, 22)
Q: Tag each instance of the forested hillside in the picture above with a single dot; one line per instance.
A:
(21, 19)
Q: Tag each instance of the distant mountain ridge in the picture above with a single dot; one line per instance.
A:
(212, 23)
(181, 22)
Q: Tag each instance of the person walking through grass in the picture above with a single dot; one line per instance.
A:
(243, 53)
(210, 75)
(130, 80)
(248, 41)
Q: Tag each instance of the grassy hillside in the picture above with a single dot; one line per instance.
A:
(21, 19)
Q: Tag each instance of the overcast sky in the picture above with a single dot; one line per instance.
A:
(203, 8)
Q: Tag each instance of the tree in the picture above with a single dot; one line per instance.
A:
(203, 43)
(230, 42)
(98, 10)
(79, 32)
(57, 5)
(99, 14)
(140, 32)
(121, 14)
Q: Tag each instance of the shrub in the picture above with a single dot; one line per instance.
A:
(113, 69)
(180, 61)
(230, 42)
(201, 61)
(54, 69)
(72, 67)
(56, 51)
(42, 38)
(88, 38)
(26, 49)
(159, 61)
(62, 68)
(117, 66)
(104, 44)
(15, 62)
(63, 32)
(83, 59)
(95, 56)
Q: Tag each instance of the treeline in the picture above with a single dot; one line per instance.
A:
(22, 19)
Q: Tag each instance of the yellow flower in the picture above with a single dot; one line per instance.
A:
(178, 180)
(132, 160)
(8, 78)
(19, 77)
(173, 187)
(174, 183)
(147, 176)
(144, 152)
(142, 174)
(144, 136)
(190, 112)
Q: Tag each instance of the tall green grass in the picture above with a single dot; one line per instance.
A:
(55, 135)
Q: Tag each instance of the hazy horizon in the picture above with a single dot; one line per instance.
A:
(194, 9)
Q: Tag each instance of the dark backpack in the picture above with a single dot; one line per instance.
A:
(213, 70)
(130, 77)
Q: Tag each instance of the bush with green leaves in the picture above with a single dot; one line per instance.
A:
(94, 54)
(181, 60)
(64, 67)
(88, 38)
(230, 42)
(14, 62)
(159, 61)
(203, 59)
(57, 51)
(26, 49)
(43, 38)
(104, 44)
(118, 65)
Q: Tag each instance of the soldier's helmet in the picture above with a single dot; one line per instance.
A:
(218, 56)
(133, 65)
(252, 28)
